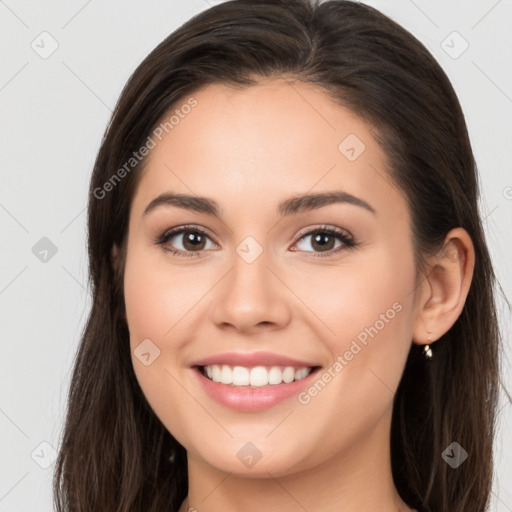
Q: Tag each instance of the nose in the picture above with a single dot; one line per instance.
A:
(252, 297)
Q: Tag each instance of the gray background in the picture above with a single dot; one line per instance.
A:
(54, 112)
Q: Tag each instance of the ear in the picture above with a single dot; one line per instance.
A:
(445, 288)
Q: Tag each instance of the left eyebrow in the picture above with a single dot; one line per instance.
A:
(291, 206)
(313, 201)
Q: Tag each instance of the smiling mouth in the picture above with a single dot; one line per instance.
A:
(256, 376)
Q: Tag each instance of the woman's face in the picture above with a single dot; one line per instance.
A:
(264, 281)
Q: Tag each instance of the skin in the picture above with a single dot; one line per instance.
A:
(248, 150)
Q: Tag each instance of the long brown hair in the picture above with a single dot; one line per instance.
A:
(114, 454)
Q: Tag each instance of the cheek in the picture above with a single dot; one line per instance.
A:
(365, 294)
(367, 307)
(158, 296)
(150, 304)
(158, 304)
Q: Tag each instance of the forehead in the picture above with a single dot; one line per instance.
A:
(266, 141)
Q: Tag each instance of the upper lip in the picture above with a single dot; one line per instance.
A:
(252, 359)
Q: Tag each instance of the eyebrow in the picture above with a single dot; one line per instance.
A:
(291, 206)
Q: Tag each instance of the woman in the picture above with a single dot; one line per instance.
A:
(293, 297)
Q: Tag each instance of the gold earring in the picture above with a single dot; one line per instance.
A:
(427, 351)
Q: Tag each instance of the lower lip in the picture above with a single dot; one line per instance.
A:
(252, 399)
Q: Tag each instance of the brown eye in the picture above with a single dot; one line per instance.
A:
(186, 241)
(326, 240)
(323, 242)
(192, 240)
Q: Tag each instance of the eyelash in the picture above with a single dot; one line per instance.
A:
(348, 241)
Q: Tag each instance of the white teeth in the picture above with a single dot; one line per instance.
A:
(288, 374)
(257, 376)
(275, 375)
(226, 375)
(215, 373)
(241, 376)
(301, 373)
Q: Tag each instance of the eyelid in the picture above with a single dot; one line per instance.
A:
(347, 240)
(168, 234)
(322, 228)
(178, 230)
(346, 237)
